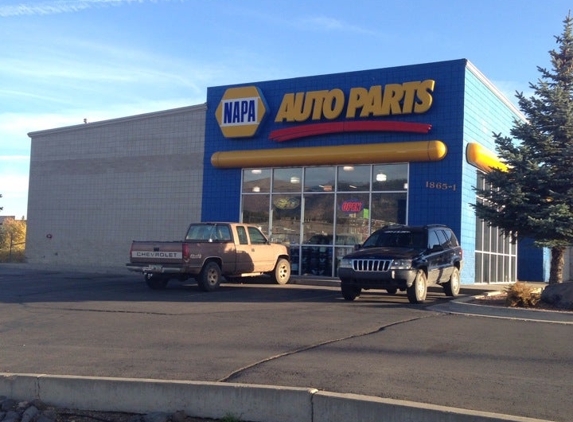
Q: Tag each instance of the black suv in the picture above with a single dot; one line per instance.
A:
(404, 258)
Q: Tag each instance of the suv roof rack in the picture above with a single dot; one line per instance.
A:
(427, 226)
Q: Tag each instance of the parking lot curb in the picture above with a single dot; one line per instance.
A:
(258, 403)
(465, 306)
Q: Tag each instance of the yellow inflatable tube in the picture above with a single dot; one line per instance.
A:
(482, 158)
(332, 155)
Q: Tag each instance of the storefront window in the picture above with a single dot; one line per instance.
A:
(323, 212)
(256, 180)
(286, 210)
(318, 228)
(319, 179)
(287, 180)
(354, 178)
(256, 210)
(388, 208)
(390, 177)
(352, 218)
(495, 255)
(318, 218)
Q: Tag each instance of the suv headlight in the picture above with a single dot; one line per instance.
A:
(401, 264)
(345, 263)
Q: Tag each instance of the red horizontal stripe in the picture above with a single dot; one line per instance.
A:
(304, 131)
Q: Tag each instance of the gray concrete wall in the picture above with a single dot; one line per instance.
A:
(255, 403)
(96, 187)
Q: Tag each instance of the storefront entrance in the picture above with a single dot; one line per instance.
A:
(322, 212)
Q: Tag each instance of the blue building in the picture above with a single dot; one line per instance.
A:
(321, 161)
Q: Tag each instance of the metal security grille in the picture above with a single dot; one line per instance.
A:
(371, 264)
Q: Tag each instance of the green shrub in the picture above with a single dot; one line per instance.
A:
(229, 417)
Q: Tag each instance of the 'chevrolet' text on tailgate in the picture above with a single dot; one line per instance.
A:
(172, 255)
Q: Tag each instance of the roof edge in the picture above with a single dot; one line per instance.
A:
(477, 73)
(119, 119)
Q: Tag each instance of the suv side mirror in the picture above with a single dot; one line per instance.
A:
(357, 246)
(437, 248)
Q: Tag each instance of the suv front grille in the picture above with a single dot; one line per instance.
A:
(371, 264)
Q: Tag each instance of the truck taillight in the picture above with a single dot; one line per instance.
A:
(186, 252)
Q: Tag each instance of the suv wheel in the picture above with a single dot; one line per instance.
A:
(419, 288)
(452, 287)
(349, 292)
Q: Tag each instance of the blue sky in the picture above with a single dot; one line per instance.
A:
(66, 60)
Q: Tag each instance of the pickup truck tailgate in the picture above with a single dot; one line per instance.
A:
(156, 252)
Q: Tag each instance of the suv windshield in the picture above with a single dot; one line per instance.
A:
(396, 239)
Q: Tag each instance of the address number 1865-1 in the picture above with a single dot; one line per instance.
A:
(440, 186)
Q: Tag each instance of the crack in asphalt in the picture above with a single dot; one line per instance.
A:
(109, 311)
(237, 372)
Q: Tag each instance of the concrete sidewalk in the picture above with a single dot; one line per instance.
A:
(257, 403)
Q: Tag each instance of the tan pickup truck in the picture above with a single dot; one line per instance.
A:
(209, 252)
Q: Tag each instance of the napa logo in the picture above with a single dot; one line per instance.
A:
(241, 112)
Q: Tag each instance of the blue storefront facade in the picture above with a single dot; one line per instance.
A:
(321, 161)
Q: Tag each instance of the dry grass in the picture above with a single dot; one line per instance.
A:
(17, 255)
(520, 295)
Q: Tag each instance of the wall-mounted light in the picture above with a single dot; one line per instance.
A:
(256, 189)
(348, 168)
(295, 180)
(381, 177)
(256, 171)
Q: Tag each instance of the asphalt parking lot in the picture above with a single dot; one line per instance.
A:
(297, 335)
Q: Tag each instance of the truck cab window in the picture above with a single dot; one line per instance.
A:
(257, 238)
(199, 232)
(222, 234)
(243, 239)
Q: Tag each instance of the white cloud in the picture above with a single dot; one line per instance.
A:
(18, 125)
(60, 6)
(325, 23)
(14, 157)
(14, 185)
(509, 89)
(14, 188)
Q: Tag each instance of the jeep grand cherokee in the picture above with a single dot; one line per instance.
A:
(404, 258)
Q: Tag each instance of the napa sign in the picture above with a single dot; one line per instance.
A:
(242, 110)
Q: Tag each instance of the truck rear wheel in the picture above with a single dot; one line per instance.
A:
(155, 281)
(281, 273)
(210, 277)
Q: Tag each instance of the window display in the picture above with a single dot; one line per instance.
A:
(323, 212)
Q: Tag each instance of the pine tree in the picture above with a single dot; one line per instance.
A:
(534, 197)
